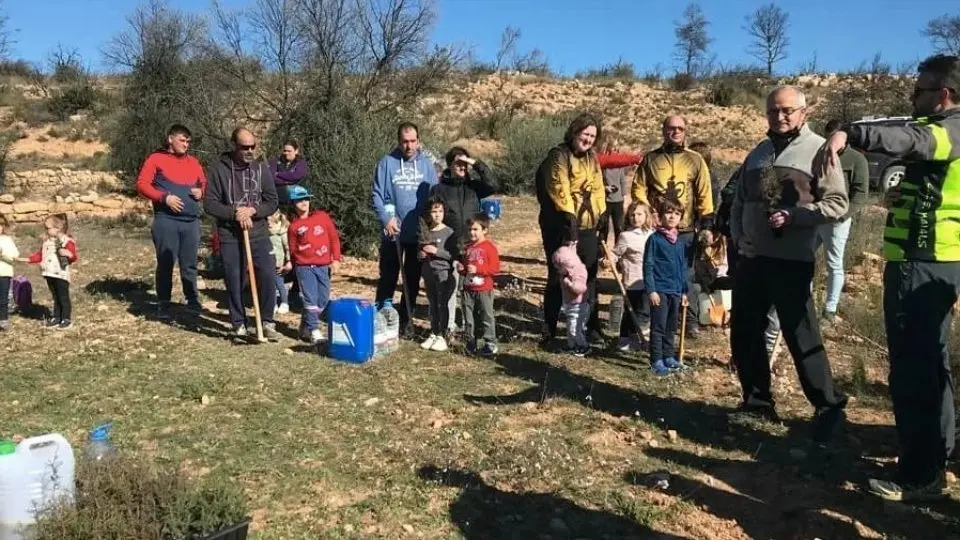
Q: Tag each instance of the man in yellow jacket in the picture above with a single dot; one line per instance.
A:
(675, 171)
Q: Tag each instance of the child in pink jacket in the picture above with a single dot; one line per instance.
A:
(573, 285)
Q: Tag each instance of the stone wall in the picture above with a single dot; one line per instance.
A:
(89, 205)
(43, 182)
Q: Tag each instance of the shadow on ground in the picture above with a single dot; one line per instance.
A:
(771, 499)
(141, 303)
(482, 511)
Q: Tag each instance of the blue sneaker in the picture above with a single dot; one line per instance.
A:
(659, 369)
(673, 365)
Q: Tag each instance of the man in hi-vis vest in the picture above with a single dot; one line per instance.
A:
(922, 275)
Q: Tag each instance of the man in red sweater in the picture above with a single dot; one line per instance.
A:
(315, 253)
(175, 182)
(481, 262)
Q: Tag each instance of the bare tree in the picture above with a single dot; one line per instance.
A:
(171, 79)
(768, 28)
(261, 49)
(6, 37)
(944, 33)
(692, 39)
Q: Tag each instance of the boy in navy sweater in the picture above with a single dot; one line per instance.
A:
(664, 275)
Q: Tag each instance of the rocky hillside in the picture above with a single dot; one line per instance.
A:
(633, 110)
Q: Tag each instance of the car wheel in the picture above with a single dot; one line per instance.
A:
(892, 176)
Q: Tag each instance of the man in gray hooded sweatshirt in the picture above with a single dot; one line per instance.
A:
(241, 194)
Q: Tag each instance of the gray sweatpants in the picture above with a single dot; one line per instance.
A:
(918, 300)
(439, 289)
(479, 305)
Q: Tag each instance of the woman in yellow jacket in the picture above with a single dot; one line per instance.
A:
(570, 191)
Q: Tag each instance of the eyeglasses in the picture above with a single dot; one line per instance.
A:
(247, 146)
(681, 129)
(786, 111)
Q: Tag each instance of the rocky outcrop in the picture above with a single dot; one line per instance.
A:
(59, 182)
(108, 206)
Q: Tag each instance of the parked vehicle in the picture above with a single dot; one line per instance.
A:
(885, 171)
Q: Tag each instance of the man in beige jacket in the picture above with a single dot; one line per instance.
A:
(777, 208)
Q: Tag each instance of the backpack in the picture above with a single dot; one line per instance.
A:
(22, 291)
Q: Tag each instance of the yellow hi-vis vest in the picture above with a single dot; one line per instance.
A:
(924, 223)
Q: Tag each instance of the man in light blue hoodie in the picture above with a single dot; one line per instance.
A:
(401, 185)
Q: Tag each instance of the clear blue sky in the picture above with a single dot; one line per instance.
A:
(574, 34)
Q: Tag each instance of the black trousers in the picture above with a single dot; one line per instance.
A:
(390, 272)
(60, 290)
(639, 303)
(588, 249)
(918, 298)
(760, 283)
(5, 298)
(235, 275)
(614, 215)
(663, 327)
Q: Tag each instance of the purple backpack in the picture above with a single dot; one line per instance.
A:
(22, 293)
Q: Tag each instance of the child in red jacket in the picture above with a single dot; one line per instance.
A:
(481, 261)
(56, 255)
(315, 254)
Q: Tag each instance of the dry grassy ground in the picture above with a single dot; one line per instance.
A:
(526, 445)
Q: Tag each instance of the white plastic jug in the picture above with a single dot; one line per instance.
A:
(33, 474)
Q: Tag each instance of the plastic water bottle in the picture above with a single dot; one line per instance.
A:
(98, 443)
(392, 318)
(380, 335)
(34, 474)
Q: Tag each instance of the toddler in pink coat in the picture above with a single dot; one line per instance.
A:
(573, 285)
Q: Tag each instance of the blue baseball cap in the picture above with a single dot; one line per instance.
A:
(298, 193)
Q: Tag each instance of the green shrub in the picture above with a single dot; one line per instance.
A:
(80, 96)
(346, 143)
(621, 69)
(740, 85)
(16, 68)
(682, 82)
(525, 145)
(124, 497)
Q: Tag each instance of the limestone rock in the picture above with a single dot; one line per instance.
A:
(89, 198)
(27, 207)
(108, 203)
(7, 198)
(6, 209)
(33, 217)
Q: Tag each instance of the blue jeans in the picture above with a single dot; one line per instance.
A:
(834, 236)
(315, 291)
(282, 290)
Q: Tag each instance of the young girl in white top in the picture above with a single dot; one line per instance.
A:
(629, 259)
(8, 255)
(57, 253)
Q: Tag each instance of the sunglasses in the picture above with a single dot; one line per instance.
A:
(681, 129)
(247, 146)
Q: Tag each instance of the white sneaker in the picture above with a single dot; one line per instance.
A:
(428, 343)
(624, 344)
(439, 345)
(283, 309)
(316, 336)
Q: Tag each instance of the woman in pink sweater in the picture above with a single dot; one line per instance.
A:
(573, 286)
